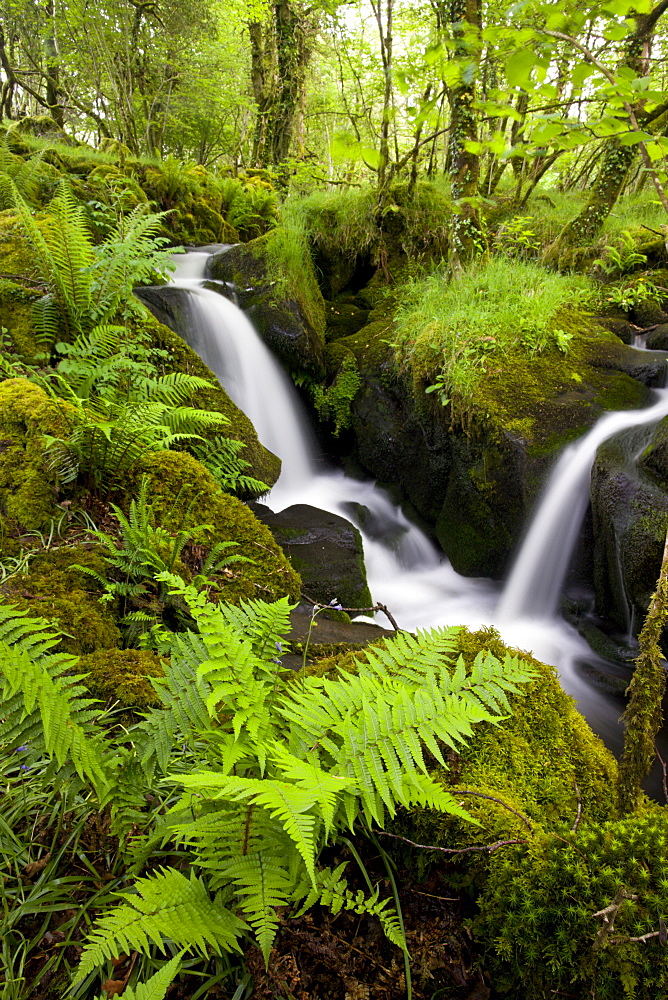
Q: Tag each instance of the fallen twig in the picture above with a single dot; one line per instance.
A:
(579, 813)
(453, 850)
(354, 611)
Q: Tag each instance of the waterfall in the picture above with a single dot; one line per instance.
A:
(538, 574)
(404, 569)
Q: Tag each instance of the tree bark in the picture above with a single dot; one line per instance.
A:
(467, 236)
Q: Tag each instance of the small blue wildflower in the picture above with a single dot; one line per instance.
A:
(334, 601)
(24, 767)
(21, 749)
(279, 647)
(274, 660)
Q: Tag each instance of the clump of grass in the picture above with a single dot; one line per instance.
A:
(335, 222)
(449, 331)
(290, 268)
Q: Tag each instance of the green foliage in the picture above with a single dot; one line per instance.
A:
(622, 256)
(121, 408)
(89, 284)
(270, 768)
(538, 913)
(451, 332)
(290, 270)
(516, 238)
(157, 987)
(334, 402)
(630, 294)
(138, 554)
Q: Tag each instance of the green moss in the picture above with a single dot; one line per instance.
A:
(17, 259)
(185, 495)
(27, 488)
(538, 920)
(264, 465)
(122, 675)
(53, 588)
(531, 761)
(16, 315)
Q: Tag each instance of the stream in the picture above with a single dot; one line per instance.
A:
(405, 570)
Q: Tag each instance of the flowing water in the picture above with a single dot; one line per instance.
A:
(405, 571)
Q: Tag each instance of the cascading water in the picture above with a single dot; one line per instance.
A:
(404, 569)
(537, 577)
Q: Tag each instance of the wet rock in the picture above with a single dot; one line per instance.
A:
(648, 313)
(621, 328)
(630, 515)
(655, 456)
(291, 323)
(657, 340)
(325, 549)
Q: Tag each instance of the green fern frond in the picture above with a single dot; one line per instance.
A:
(46, 707)
(165, 906)
(157, 986)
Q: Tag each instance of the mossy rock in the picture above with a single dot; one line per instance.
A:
(56, 590)
(27, 486)
(540, 924)
(344, 320)
(630, 517)
(264, 465)
(185, 495)
(531, 761)
(43, 126)
(16, 315)
(17, 258)
(122, 675)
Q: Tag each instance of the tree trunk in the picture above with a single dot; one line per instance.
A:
(280, 53)
(467, 237)
(617, 159)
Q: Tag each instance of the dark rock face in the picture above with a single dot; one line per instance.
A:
(630, 515)
(325, 549)
(657, 340)
(281, 322)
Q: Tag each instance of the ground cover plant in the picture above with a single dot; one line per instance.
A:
(260, 769)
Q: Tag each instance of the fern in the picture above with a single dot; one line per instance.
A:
(267, 769)
(165, 906)
(157, 986)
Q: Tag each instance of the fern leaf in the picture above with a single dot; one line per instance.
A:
(166, 905)
(156, 987)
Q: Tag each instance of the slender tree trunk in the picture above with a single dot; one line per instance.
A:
(644, 715)
(467, 237)
(52, 64)
(384, 22)
(617, 159)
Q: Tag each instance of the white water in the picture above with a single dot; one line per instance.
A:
(405, 571)
(537, 577)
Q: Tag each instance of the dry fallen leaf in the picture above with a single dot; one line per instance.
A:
(37, 866)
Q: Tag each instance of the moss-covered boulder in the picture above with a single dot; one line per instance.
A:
(122, 675)
(16, 316)
(185, 495)
(17, 259)
(540, 919)
(474, 468)
(28, 416)
(289, 312)
(630, 517)
(325, 549)
(168, 304)
(54, 588)
(531, 761)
